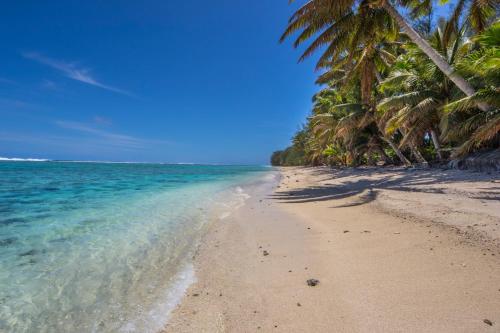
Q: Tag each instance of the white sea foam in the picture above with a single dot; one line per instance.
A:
(270, 176)
(242, 193)
(157, 317)
(224, 215)
(16, 159)
(236, 198)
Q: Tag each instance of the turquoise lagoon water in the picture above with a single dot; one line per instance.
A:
(104, 247)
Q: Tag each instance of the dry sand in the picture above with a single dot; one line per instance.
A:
(394, 251)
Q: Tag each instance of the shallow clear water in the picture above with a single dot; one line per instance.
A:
(102, 247)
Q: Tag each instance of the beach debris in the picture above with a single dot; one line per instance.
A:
(346, 231)
(487, 322)
(265, 253)
(312, 282)
(298, 304)
(196, 295)
(397, 233)
(366, 231)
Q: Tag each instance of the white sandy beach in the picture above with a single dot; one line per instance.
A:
(393, 250)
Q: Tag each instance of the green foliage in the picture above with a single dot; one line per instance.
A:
(292, 156)
(384, 100)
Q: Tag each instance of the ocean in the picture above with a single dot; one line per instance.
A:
(105, 247)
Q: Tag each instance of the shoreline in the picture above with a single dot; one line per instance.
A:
(394, 250)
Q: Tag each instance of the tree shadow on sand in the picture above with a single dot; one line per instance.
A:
(367, 183)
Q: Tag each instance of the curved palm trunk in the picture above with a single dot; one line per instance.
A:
(369, 157)
(440, 62)
(398, 152)
(418, 156)
(378, 76)
(437, 144)
(383, 155)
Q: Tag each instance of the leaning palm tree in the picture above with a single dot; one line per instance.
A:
(476, 128)
(368, 54)
(326, 114)
(417, 90)
(336, 23)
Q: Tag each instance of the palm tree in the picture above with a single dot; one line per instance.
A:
(337, 24)
(344, 122)
(478, 127)
(370, 53)
(419, 90)
(327, 112)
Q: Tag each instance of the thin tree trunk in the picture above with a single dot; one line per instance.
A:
(383, 155)
(418, 156)
(437, 145)
(378, 76)
(440, 62)
(398, 152)
(369, 157)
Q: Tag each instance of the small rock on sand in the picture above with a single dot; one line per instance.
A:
(346, 231)
(488, 322)
(312, 282)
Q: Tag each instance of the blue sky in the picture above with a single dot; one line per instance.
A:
(170, 81)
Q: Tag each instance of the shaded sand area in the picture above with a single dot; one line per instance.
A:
(393, 250)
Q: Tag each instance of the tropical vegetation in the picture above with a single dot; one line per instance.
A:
(398, 84)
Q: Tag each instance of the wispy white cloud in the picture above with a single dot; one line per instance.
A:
(15, 103)
(67, 143)
(72, 71)
(86, 140)
(99, 120)
(49, 85)
(6, 81)
(110, 138)
(116, 138)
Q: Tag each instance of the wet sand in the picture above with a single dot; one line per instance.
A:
(393, 250)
